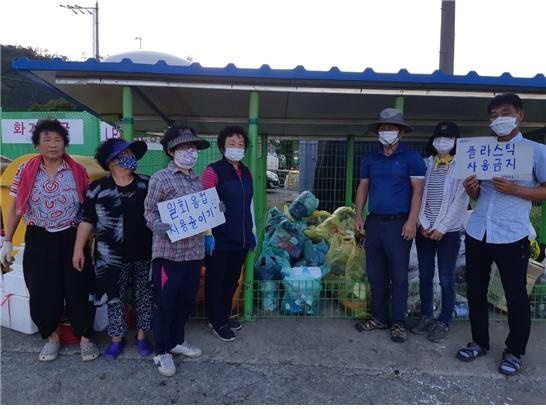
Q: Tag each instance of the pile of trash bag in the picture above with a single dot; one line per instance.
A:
(302, 287)
(289, 257)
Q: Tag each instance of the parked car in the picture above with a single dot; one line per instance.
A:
(272, 180)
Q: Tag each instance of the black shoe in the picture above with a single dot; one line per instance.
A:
(423, 325)
(438, 332)
(234, 324)
(224, 333)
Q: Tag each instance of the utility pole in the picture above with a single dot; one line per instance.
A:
(77, 9)
(447, 37)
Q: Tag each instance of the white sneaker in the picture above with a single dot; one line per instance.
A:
(187, 349)
(165, 364)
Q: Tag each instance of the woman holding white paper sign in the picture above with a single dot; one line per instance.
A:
(230, 242)
(113, 208)
(175, 265)
(443, 206)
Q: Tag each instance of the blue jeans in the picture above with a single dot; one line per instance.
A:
(447, 250)
(387, 261)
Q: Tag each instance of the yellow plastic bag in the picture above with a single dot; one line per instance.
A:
(341, 222)
(338, 254)
(355, 268)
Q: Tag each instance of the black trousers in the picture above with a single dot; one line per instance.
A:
(174, 288)
(511, 260)
(51, 280)
(221, 281)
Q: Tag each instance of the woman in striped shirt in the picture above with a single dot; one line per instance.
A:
(440, 219)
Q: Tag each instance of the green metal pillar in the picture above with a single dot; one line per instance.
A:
(128, 120)
(260, 197)
(399, 103)
(349, 170)
(253, 111)
(542, 233)
(542, 236)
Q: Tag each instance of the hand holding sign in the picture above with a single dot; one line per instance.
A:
(505, 186)
(191, 214)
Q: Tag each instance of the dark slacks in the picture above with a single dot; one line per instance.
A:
(51, 280)
(511, 260)
(387, 261)
(175, 285)
(222, 279)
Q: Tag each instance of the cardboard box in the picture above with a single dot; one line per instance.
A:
(495, 295)
(15, 313)
(14, 283)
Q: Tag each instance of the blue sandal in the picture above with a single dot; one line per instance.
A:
(470, 352)
(510, 364)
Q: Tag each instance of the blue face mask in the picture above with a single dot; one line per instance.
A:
(128, 162)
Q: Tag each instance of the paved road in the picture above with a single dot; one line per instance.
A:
(281, 361)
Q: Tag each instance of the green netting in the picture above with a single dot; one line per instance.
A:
(351, 299)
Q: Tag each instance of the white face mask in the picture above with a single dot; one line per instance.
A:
(185, 159)
(503, 125)
(443, 144)
(234, 154)
(388, 137)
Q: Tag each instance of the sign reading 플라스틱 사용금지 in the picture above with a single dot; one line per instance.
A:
(486, 157)
(191, 214)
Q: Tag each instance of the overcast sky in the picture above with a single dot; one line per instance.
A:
(492, 36)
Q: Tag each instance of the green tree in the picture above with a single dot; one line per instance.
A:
(19, 92)
(54, 105)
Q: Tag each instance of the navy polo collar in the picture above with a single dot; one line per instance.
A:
(400, 149)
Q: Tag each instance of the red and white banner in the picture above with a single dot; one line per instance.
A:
(20, 130)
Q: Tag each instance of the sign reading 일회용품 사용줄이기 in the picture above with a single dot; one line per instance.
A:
(191, 214)
(486, 157)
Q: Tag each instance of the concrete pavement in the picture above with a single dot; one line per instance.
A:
(281, 361)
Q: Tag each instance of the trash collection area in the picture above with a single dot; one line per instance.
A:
(307, 138)
(312, 263)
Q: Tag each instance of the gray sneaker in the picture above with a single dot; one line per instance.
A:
(438, 332)
(187, 349)
(422, 326)
(165, 364)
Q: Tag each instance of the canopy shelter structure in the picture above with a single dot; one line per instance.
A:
(150, 91)
(293, 102)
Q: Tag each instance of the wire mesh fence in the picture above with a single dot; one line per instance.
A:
(349, 299)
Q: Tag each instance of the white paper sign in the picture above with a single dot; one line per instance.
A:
(486, 158)
(20, 130)
(108, 131)
(191, 214)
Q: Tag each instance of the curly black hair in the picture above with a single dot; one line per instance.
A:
(230, 131)
(104, 150)
(49, 125)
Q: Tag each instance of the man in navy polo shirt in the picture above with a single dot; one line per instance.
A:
(393, 178)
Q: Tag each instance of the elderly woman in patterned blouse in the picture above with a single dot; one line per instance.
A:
(114, 208)
(49, 190)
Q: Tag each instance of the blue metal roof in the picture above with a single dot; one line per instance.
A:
(265, 73)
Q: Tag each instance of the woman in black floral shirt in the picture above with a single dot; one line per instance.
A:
(114, 208)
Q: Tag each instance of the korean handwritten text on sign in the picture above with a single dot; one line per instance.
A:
(486, 158)
(191, 214)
